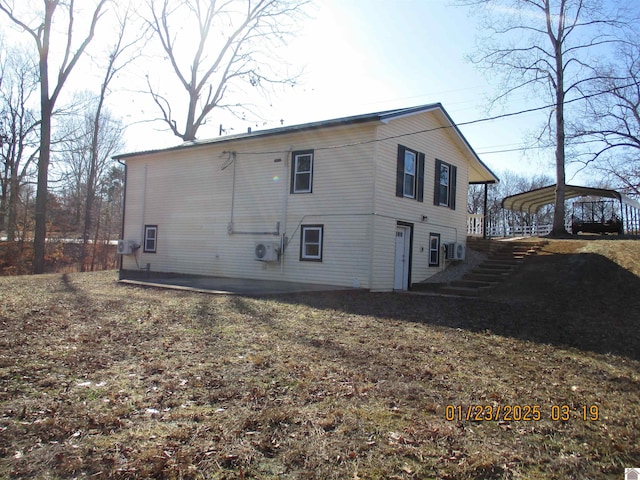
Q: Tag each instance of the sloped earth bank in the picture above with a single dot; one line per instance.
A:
(109, 381)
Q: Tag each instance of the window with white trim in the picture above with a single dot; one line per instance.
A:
(410, 174)
(150, 238)
(445, 185)
(302, 172)
(409, 184)
(311, 238)
(434, 249)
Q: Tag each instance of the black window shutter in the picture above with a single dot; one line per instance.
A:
(293, 172)
(420, 179)
(400, 172)
(452, 186)
(436, 186)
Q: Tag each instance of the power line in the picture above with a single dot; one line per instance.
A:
(455, 125)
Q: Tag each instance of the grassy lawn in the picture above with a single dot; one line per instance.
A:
(104, 380)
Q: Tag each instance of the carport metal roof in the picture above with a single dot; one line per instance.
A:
(533, 200)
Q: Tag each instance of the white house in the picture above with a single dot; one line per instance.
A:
(365, 201)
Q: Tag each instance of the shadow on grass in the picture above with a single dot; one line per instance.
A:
(584, 301)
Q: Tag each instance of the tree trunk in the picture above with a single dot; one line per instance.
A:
(46, 110)
(88, 217)
(42, 192)
(3, 207)
(559, 229)
(12, 207)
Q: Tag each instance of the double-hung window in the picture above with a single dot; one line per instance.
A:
(302, 172)
(434, 249)
(409, 187)
(150, 238)
(311, 239)
(445, 185)
(410, 174)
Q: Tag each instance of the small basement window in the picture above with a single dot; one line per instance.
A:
(311, 243)
(434, 249)
(150, 238)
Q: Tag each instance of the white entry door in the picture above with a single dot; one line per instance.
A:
(401, 280)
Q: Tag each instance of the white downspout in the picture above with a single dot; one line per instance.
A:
(144, 202)
(285, 200)
(232, 155)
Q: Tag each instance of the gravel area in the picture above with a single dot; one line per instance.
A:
(457, 270)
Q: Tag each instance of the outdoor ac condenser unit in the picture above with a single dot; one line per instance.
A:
(267, 251)
(126, 247)
(454, 251)
(450, 251)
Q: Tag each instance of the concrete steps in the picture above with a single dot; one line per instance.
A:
(503, 257)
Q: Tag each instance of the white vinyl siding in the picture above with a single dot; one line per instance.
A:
(426, 218)
(213, 202)
(188, 194)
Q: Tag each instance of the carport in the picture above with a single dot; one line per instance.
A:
(533, 200)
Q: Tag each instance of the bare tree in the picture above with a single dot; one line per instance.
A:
(19, 139)
(553, 48)
(612, 124)
(106, 134)
(214, 48)
(40, 28)
(511, 183)
(85, 155)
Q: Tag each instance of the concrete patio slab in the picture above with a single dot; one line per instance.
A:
(226, 286)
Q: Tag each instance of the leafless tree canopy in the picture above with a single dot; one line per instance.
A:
(39, 26)
(19, 125)
(611, 125)
(553, 49)
(216, 49)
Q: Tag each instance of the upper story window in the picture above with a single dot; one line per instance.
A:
(150, 238)
(409, 187)
(410, 174)
(302, 172)
(445, 185)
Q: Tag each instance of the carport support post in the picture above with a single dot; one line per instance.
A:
(485, 220)
(628, 220)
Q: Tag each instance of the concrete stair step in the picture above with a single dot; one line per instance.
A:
(478, 284)
(500, 262)
(507, 258)
(485, 277)
(502, 271)
(461, 291)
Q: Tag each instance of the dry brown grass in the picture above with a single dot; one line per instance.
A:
(108, 381)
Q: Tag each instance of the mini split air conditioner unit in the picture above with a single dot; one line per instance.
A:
(454, 251)
(267, 251)
(127, 247)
